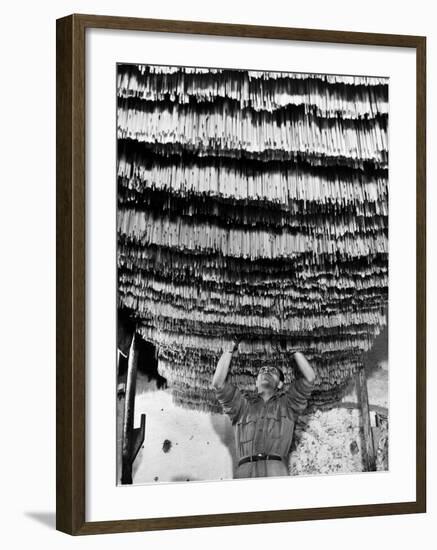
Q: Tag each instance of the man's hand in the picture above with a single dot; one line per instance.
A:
(282, 345)
(233, 346)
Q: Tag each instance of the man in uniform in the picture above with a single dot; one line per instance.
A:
(264, 423)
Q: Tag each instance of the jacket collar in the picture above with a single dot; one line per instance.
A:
(254, 396)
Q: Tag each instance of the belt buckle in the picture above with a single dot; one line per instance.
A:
(260, 456)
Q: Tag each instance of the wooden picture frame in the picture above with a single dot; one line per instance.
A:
(71, 274)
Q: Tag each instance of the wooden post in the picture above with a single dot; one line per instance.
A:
(368, 447)
(132, 439)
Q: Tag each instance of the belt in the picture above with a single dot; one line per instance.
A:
(259, 456)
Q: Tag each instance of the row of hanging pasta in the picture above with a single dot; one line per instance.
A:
(333, 375)
(326, 379)
(160, 314)
(330, 224)
(259, 90)
(245, 212)
(168, 152)
(190, 373)
(273, 186)
(314, 95)
(246, 243)
(143, 301)
(178, 265)
(220, 299)
(202, 363)
(227, 275)
(333, 78)
(218, 342)
(364, 140)
(210, 294)
(199, 266)
(285, 292)
(205, 401)
(194, 329)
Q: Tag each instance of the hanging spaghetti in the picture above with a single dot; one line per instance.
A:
(252, 204)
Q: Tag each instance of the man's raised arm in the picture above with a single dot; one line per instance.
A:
(304, 367)
(300, 391)
(223, 365)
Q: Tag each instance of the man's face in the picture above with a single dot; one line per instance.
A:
(268, 378)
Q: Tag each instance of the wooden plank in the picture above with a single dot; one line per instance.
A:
(64, 282)
(70, 276)
(421, 463)
(249, 31)
(368, 448)
(129, 410)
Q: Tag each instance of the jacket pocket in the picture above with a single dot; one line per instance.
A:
(276, 424)
(247, 430)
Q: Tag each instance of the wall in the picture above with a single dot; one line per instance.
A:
(28, 274)
(180, 444)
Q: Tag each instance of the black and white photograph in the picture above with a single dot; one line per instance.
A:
(252, 274)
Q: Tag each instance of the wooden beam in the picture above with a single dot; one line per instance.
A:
(363, 397)
(129, 410)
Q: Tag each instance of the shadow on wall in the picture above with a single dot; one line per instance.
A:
(375, 359)
(147, 356)
(222, 426)
(377, 356)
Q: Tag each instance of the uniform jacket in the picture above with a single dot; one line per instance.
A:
(264, 427)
